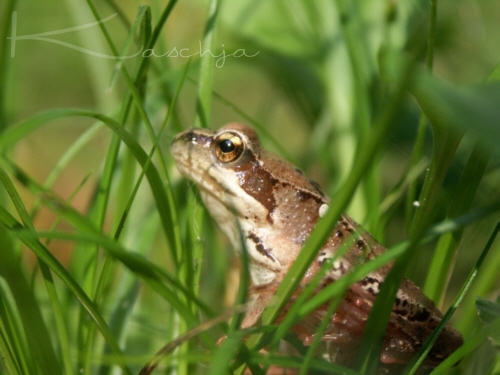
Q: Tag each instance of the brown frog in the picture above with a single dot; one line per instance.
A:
(256, 195)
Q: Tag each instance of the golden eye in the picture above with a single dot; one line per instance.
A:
(228, 147)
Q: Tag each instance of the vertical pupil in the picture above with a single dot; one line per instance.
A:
(227, 146)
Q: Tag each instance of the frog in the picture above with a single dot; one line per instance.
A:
(267, 207)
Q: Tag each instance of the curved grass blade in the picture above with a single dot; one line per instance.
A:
(11, 137)
(135, 262)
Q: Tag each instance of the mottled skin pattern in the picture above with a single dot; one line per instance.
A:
(276, 207)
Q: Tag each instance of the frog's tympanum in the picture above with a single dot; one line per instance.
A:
(255, 195)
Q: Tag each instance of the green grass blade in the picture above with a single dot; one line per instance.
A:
(363, 72)
(204, 101)
(469, 345)
(47, 276)
(142, 21)
(466, 188)
(418, 148)
(156, 183)
(446, 141)
(5, 51)
(295, 362)
(226, 353)
(135, 262)
(144, 63)
(8, 363)
(473, 108)
(427, 346)
(14, 346)
(389, 205)
(76, 147)
(34, 326)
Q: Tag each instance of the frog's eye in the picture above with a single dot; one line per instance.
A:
(228, 147)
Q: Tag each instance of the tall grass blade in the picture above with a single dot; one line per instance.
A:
(204, 101)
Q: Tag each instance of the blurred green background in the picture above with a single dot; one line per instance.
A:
(310, 78)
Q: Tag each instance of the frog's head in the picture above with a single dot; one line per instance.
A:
(227, 168)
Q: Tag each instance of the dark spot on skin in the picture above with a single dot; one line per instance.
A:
(360, 244)
(398, 301)
(401, 312)
(369, 280)
(338, 233)
(260, 246)
(301, 195)
(421, 315)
